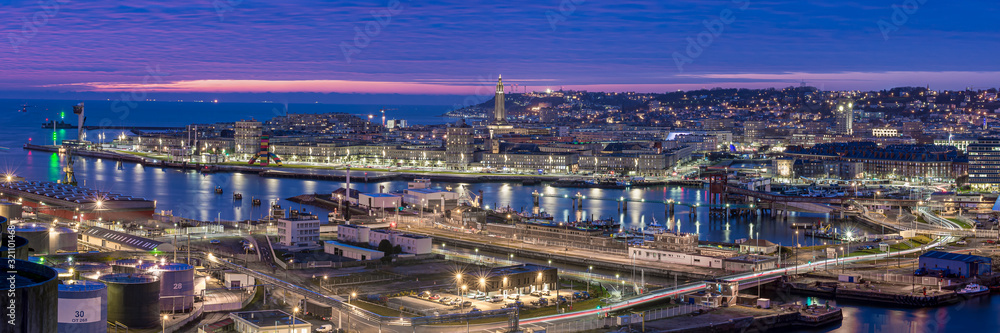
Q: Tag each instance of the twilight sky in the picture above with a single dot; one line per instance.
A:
(458, 47)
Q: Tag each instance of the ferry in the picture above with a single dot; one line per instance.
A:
(237, 196)
(218, 190)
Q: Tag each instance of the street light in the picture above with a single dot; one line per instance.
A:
(163, 323)
(292, 323)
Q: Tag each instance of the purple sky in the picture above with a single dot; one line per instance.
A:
(458, 48)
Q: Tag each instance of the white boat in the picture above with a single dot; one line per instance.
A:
(973, 290)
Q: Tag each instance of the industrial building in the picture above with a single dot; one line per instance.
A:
(115, 240)
(379, 200)
(519, 279)
(749, 263)
(270, 321)
(409, 243)
(960, 265)
(351, 251)
(68, 202)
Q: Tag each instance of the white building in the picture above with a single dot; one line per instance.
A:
(350, 251)
(353, 233)
(301, 231)
(379, 200)
(422, 197)
(654, 255)
(270, 321)
(885, 132)
(247, 136)
(409, 243)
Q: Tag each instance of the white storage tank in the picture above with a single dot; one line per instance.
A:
(62, 239)
(11, 210)
(83, 307)
(37, 235)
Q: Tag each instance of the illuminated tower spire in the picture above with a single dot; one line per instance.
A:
(499, 114)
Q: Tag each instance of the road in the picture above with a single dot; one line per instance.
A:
(363, 321)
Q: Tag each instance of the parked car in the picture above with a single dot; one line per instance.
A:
(425, 294)
(325, 328)
(434, 297)
(536, 293)
(466, 304)
(215, 241)
(446, 300)
(513, 296)
(497, 299)
(962, 242)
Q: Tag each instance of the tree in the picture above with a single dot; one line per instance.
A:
(385, 246)
(397, 249)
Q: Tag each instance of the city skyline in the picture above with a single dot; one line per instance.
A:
(451, 49)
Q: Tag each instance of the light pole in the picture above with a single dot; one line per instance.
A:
(163, 324)
(589, 278)
(458, 279)
(353, 295)
(292, 323)
(462, 305)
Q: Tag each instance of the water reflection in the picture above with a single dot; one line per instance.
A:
(190, 192)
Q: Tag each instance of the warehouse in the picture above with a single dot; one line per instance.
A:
(353, 252)
(115, 240)
(271, 321)
(520, 279)
(959, 265)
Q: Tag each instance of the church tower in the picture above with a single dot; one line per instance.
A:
(499, 114)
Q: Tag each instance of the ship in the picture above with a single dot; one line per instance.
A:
(58, 125)
(973, 290)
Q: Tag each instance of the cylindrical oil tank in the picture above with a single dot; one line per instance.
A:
(11, 210)
(62, 239)
(15, 243)
(133, 299)
(146, 267)
(87, 270)
(83, 307)
(37, 235)
(176, 286)
(35, 298)
(125, 265)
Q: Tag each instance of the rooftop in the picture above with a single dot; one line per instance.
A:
(123, 238)
(523, 268)
(750, 258)
(956, 257)
(357, 248)
(268, 318)
(379, 195)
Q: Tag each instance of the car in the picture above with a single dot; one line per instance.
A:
(466, 304)
(215, 241)
(990, 241)
(536, 293)
(445, 300)
(940, 248)
(962, 242)
(454, 302)
(434, 297)
(325, 328)
(497, 299)
(513, 296)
